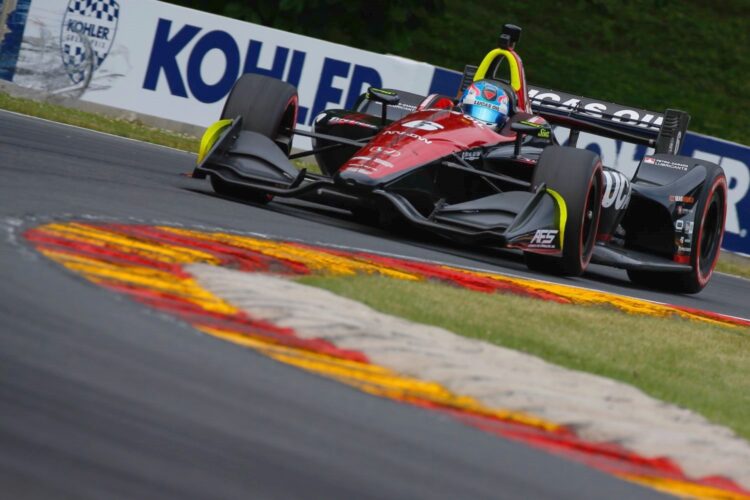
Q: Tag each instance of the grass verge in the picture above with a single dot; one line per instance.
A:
(124, 128)
(132, 129)
(731, 263)
(698, 366)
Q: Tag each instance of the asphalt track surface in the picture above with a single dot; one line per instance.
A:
(102, 398)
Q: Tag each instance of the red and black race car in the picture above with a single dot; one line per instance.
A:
(426, 161)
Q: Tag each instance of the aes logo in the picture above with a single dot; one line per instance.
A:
(544, 238)
(86, 36)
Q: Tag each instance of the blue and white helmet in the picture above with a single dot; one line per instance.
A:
(487, 102)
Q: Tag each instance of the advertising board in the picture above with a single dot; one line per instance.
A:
(158, 59)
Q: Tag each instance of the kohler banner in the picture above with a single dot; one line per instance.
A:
(158, 59)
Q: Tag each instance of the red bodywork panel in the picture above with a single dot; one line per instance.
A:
(417, 139)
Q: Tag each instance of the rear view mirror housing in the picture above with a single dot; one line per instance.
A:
(543, 130)
(385, 97)
(524, 128)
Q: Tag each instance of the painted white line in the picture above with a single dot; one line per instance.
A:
(107, 134)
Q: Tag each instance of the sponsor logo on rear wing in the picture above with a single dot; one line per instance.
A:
(564, 104)
(662, 131)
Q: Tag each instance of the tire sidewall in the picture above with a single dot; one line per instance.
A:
(566, 170)
(716, 181)
(597, 176)
(266, 105)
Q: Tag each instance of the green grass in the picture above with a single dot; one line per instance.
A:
(698, 366)
(125, 128)
(730, 263)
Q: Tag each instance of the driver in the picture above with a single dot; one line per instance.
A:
(486, 102)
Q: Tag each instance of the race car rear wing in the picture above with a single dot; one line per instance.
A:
(664, 132)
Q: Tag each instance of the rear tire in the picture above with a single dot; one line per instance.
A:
(710, 213)
(575, 174)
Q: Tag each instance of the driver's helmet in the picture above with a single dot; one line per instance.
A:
(487, 102)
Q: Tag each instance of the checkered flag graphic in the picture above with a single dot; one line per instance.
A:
(101, 9)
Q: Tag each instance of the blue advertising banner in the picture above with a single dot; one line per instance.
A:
(13, 14)
(735, 160)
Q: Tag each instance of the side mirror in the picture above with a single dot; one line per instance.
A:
(385, 97)
(523, 128)
(542, 131)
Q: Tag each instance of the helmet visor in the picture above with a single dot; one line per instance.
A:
(482, 113)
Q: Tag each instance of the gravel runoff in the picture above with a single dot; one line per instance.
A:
(597, 408)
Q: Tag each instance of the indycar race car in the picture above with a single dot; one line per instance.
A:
(430, 162)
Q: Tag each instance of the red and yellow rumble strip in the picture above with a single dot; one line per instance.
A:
(146, 263)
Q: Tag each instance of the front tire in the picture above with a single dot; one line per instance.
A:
(576, 175)
(267, 106)
(710, 211)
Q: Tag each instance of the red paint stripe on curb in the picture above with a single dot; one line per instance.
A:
(110, 255)
(230, 256)
(434, 271)
(239, 323)
(713, 315)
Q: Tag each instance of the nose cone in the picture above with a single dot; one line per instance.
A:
(356, 179)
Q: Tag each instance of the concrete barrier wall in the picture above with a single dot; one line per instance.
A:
(153, 58)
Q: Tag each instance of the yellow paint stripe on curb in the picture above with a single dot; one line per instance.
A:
(144, 277)
(593, 297)
(325, 262)
(315, 260)
(683, 489)
(163, 252)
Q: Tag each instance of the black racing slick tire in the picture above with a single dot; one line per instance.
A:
(576, 176)
(708, 232)
(267, 106)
